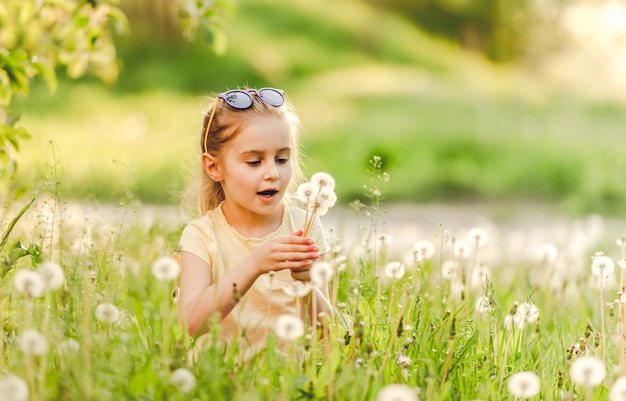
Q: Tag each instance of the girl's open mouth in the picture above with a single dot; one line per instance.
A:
(268, 193)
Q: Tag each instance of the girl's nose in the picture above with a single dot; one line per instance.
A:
(272, 173)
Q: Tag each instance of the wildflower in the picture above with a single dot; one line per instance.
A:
(397, 392)
(289, 327)
(524, 384)
(323, 180)
(527, 313)
(547, 253)
(394, 270)
(478, 236)
(462, 249)
(68, 346)
(107, 313)
(321, 273)
(33, 342)
(483, 305)
(404, 361)
(479, 277)
(618, 390)
(587, 371)
(13, 388)
(52, 275)
(449, 269)
(165, 268)
(297, 288)
(29, 283)
(425, 248)
(183, 379)
(305, 193)
(602, 265)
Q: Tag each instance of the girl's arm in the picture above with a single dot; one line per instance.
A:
(201, 298)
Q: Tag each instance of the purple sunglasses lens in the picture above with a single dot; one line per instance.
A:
(271, 97)
(237, 99)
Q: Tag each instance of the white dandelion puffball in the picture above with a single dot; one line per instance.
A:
(297, 288)
(449, 269)
(33, 342)
(13, 388)
(618, 390)
(323, 180)
(321, 273)
(52, 275)
(587, 371)
(483, 305)
(305, 193)
(68, 346)
(425, 248)
(183, 379)
(394, 270)
(524, 384)
(165, 268)
(107, 313)
(462, 249)
(397, 392)
(527, 312)
(602, 265)
(478, 236)
(289, 327)
(29, 283)
(325, 200)
(547, 253)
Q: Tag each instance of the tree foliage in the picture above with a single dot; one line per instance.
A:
(42, 38)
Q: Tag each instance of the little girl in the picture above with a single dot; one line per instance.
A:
(247, 246)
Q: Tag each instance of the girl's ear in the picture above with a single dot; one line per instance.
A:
(212, 167)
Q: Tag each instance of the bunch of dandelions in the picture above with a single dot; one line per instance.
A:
(317, 197)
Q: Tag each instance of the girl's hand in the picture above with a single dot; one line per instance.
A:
(293, 252)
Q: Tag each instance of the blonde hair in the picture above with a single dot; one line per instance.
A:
(202, 193)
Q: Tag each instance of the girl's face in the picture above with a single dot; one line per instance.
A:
(255, 168)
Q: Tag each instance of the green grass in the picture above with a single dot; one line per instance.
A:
(450, 351)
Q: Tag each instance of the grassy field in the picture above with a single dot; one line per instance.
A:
(453, 315)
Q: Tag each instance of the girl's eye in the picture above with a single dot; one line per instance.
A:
(254, 163)
(282, 160)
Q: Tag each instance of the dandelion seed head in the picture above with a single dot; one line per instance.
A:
(394, 270)
(524, 384)
(425, 248)
(527, 312)
(602, 265)
(165, 268)
(29, 283)
(289, 327)
(404, 361)
(385, 239)
(52, 275)
(462, 249)
(33, 342)
(621, 241)
(622, 263)
(68, 346)
(618, 390)
(325, 200)
(107, 313)
(397, 392)
(479, 277)
(449, 269)
(183, 379)
(297, 288)
(547, 253)
(587, 371)
(305, 193)
(13, 388)
(478, 236)
(323, 180)
(321, 273)
(483, 305)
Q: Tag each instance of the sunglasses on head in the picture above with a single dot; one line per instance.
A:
(242, 99)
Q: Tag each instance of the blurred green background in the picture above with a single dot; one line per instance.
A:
(465, 101)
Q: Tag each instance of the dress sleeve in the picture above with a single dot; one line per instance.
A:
(198, 239)
(317, 233)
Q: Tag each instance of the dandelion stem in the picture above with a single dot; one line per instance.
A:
(603, 343)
